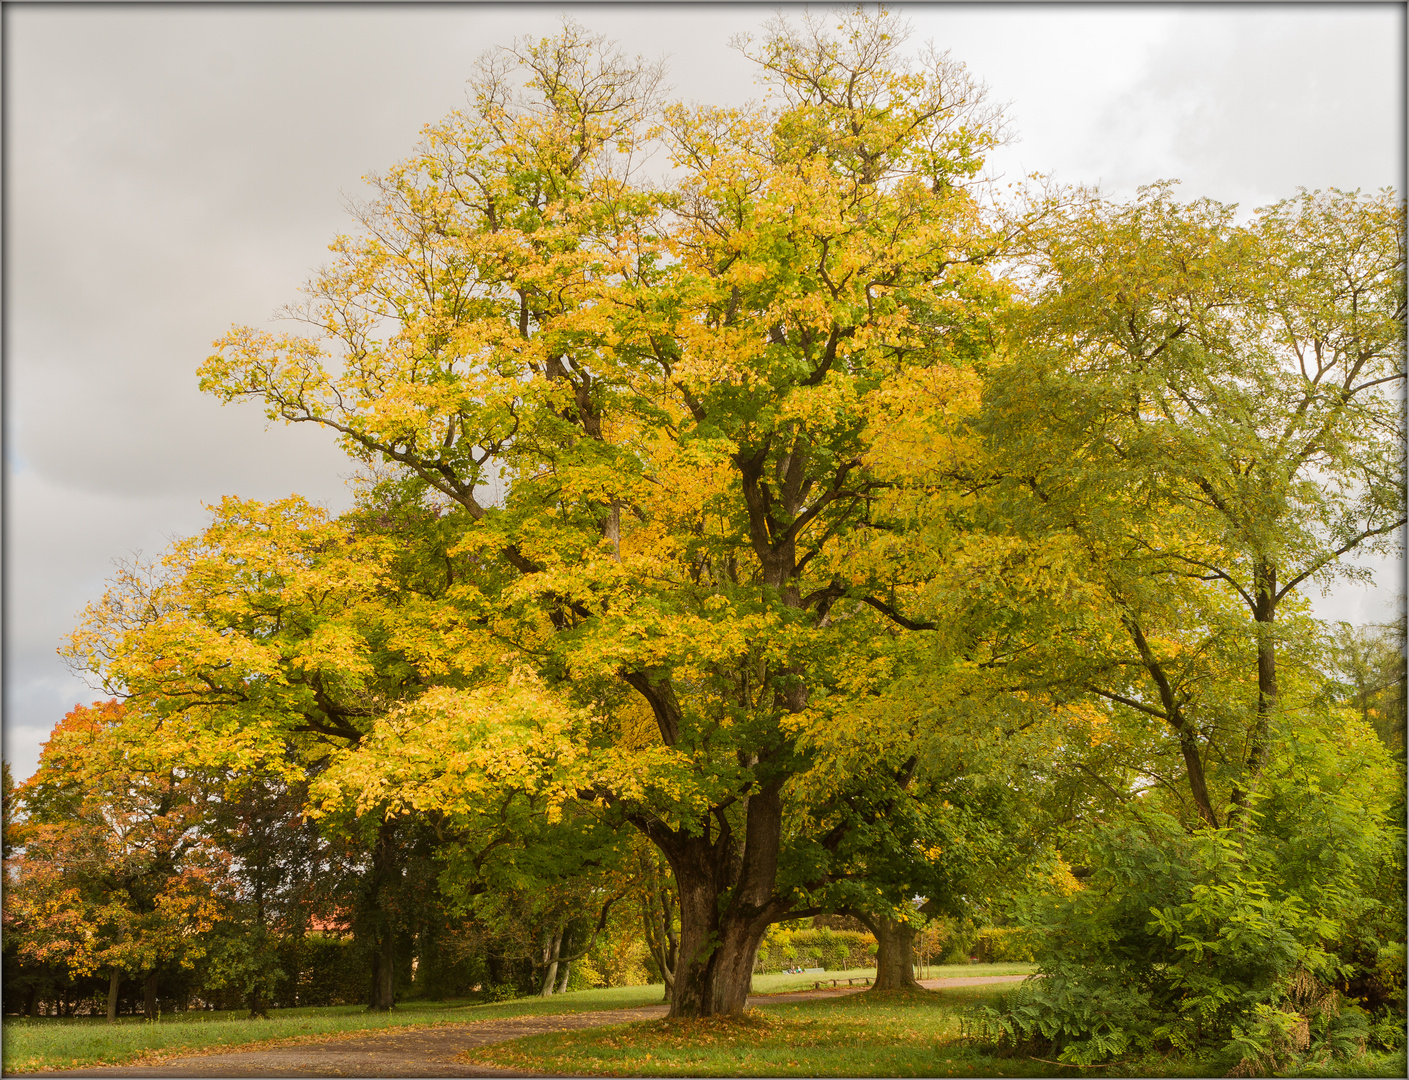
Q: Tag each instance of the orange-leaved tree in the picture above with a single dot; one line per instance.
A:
(116, 872)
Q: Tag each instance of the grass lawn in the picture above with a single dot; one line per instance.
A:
(56, 1043)
(856, 1035)
(899, 1035)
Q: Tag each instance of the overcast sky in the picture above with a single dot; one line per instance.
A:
(172, 170)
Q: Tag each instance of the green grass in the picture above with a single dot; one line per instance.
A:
(56, 1043)
(856, 1035)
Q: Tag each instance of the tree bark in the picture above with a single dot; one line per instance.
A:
(114, 984)
(567, 972)
(1174, 716)
(551, 950)
(149, 995)
(895, 955)
(1264, 615)
(384, 973)
(384, 873)
(661, 937)
(726, 905)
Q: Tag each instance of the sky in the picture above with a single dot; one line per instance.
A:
(172, 170)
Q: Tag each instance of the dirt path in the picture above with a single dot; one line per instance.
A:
(414, 1051)
(429, 1051)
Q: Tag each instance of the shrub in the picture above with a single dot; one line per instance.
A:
(499, 992)
(1252, 943)
(329, 972)
(836, 949)
(1004, 944)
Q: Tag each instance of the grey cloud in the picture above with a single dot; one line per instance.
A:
(1247, 105)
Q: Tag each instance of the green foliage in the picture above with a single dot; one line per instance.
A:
(835, 950)
(997, 944)
(1368, 664)
(329, 972)
(1248, 941)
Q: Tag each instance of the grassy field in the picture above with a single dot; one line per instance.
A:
(55, 1043)
(900, 1035)
(856, 1035)
(782, 983)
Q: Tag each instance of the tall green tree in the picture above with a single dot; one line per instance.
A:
(1201, 420)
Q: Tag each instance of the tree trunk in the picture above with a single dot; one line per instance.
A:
(552, 948)
(895, 955)
(1264, 613)
(1174, 716)
(385, 873)
(661, 937)
(32, 1005)
(494, 961)
(149, 995)
(259, 1007)
(719, 937)
(567, 971)
(384, 973)
(114, 984)
(717, 954)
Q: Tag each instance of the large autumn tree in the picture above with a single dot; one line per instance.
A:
(676, 388)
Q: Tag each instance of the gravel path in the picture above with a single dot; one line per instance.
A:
(430, 1051)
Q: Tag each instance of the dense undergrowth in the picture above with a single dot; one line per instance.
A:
(1274, 947)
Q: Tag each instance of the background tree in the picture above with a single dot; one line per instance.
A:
(276, 857)
(272, 640)
(117, 871)
(1368, 661)
(1201, 418)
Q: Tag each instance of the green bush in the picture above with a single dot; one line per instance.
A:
(499, 992)
(1252, 943)
(835, 949)
(1004, 944)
